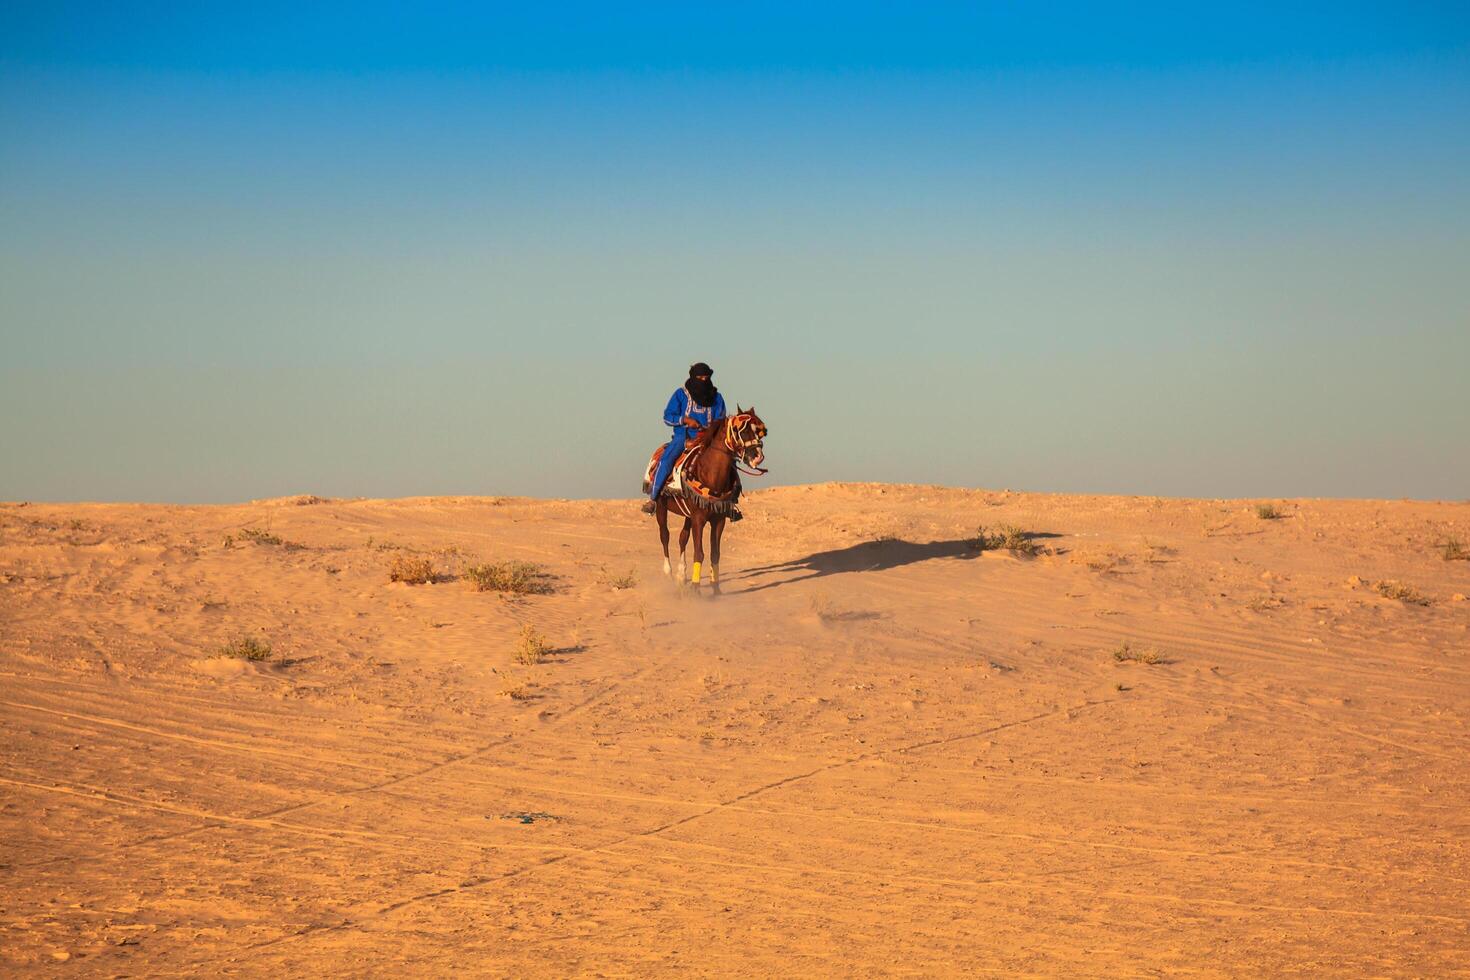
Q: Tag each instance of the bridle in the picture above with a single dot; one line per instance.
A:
(744, 433)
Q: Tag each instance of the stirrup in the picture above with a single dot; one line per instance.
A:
(649, 507)
(735, 515)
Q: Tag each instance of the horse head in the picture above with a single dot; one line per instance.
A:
(745, 435)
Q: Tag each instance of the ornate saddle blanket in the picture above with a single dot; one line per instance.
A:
(682, 482)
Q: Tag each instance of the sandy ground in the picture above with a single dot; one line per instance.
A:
(879, 752)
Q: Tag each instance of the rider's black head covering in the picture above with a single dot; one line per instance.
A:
(700, 388)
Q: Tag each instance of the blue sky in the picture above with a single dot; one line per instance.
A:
(248, 250)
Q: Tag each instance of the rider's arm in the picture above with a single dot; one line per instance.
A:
(674, 411)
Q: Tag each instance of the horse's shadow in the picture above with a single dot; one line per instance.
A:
(867, 556)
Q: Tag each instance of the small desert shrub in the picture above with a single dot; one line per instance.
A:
(532, 648)
(1006, 537)
(516, 577)
(1401, 592)
(621, 582)
(414, 571)
(517, 692)
(1453, 549)
(265, 537)
(1268, 512)
(824, 609)
(246, 647)
(1125, 654)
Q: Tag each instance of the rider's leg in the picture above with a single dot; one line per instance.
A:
(666, 464)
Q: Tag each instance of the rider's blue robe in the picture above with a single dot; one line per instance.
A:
(680, 405)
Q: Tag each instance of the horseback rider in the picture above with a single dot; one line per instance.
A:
(691, 410)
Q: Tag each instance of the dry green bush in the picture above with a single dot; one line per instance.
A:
(414, 571)
(1453, 549)
(532, 648)
(245, 647)
(621, 582)
(258, 536)
(1401, 592)
(1006, 537)
(515, 577)
(1268, 512)
(1125, 654)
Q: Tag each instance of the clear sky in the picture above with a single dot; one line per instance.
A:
(252, 249)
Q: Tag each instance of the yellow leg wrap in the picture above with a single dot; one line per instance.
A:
(695, 578)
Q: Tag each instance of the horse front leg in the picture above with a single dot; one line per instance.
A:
(716, 531)
(661, 511)
(698, 519)
(683, 545)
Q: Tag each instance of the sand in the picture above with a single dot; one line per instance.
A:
(880, 752)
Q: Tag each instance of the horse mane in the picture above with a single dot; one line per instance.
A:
(707, 435)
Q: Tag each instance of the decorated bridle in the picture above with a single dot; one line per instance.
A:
(744, 433)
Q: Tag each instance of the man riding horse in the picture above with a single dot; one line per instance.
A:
(691, 410)
(718, 449)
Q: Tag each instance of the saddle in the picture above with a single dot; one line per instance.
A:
(683, 483)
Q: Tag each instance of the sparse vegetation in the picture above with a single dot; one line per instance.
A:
(1268, 512)
(1453, 549)
(1401, 592)
(517, 692)
(245, 647)
(1158, 553)
(515, 577)
(413, 571)
(621, 582)
(532, 648)
(823, 608)
(1125, 654)
(1006, 537)
(259, 536)
(1100, 562)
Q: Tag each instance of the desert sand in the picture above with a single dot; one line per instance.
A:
(880, 752)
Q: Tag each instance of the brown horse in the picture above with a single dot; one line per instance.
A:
(711, 489)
